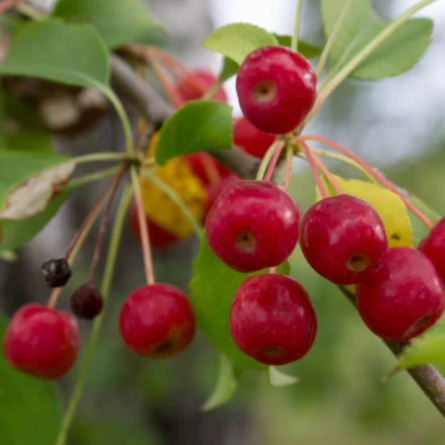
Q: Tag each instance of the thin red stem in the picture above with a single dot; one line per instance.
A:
(170, 62)
(331, 178)
(312, 164)
(103, 224)
(288, 168)
(172, 93)
(143, 227)
(377, 175)
(273, 162)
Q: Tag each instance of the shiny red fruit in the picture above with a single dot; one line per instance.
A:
(276, 88)
(157, 321)
(433, 246)
(195, 84)
(158, 236)
(207, 169)
(404, 298)
(343, 239)
(250, 139)
(42, 342)
(272, 319)
(253, 225)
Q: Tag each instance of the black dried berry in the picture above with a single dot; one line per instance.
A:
(86, 302)
(56, 272)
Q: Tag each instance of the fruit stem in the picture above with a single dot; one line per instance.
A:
(294, 43)
(330, 177)
(274, 161)
(315, 173)
(109, 156)
(345, 160)
(103, 223)
(161, 185)
(266, 160)
(170, 62)
(332, 36)
(79, 237)
(363, 54)
(93, 177)
(288, 168)
(145, 237)
(377, 175)
(172, 93)
(105, 288)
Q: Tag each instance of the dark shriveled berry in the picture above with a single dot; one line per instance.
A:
(404, 298)
(272, 319)
(56, 272)
(86, 302)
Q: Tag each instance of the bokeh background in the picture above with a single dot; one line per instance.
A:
(398, 125)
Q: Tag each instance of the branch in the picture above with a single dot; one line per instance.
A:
(427, 377)
(156, 110)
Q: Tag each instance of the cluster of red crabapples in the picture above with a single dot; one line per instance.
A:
(251, 226)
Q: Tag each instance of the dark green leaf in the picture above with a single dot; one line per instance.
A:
(397, 54)
(237, 40)
(118, 21)
(30, 410)
(28, 141)
(308, 51)
(16, 234)
(199, 125)
(213, 287)
(52, 50)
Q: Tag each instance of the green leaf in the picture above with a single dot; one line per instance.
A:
(427, 348)
(308, 51)
(213, 287)
(397, 54)
(225, 385)
(237, 40)
(28, 141)
(52, 50)
(30, 410)
(199, 125)
(229, 69)
(117, 21)
(29, 180)
(278, 379)
(16, 234)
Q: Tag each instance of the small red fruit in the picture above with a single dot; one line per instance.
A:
(253, 225)
(206, 168)
(158, 236)
(250, 139)
(272, 319)
(433, 246)
(157, 321)
(276, 88)
(42, 342)
(343, 239)
(195, 84)
(213, 191)
(404, 298)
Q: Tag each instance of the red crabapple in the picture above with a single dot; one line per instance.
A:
(250, 139)
(195, 84)
(272, 319)
(253, 225)
(276, 88)
(157, 321)
(343, 239)
(404, 298)
(433, 246)
(42, 342)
